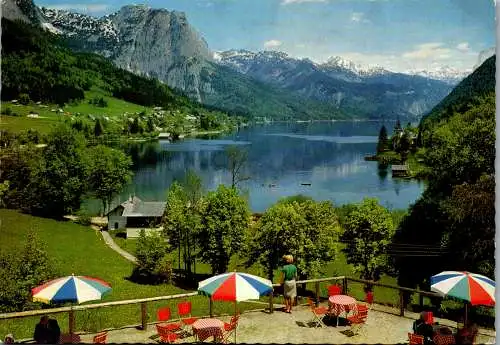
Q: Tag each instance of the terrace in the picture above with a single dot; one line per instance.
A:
(260, 322)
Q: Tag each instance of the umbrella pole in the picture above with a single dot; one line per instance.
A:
(466, 307)
(71, 322)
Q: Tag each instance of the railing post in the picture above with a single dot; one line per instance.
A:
(271, 306)
(317, 292)
(71, 319)
(211, 306)
(421, 301)
(344, 286)
(144, 316)
(401, 303)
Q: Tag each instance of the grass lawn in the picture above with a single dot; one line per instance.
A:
(116, 107)
(19, 123)
(81, 250)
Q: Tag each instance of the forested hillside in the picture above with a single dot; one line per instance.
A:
(480, 83)
(455, 217)
(36, 64)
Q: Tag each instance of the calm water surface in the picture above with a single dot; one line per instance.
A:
(281, 157)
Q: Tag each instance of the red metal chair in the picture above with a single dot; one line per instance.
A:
(334, 290)
(318, 312)
(369, 298)
(230, 328)
(358, 320)
(415, 339)
(163, 315)
(184, 310)
(100, 338)
(429, 318)
(166, 335)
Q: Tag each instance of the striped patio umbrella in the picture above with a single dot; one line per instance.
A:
(473, 288)
(76, 289)
(235, 287)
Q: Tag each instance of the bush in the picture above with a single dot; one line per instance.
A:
(83, 219)
(164, 269)
(150, 252)
(24, 98)
(19, 273)
(7, 111)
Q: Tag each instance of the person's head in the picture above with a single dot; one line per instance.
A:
(44, 320)
(9, 339)
(288, 259)
(423, 316)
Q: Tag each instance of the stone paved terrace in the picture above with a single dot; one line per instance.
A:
(261, 327)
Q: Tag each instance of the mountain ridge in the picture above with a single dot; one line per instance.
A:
(161, 44)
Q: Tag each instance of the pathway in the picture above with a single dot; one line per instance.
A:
(109, 241)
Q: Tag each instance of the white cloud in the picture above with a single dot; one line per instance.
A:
(433, 51)
(272, 44)
(463, 47)
(80, 7)
(359, 17)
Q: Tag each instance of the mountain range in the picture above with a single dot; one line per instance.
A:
(161, 44)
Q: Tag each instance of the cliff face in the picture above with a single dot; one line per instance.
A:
(24, 10)
(152, 42)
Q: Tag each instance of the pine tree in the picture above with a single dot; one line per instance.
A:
(382, 140)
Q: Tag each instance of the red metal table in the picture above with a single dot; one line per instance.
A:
(341, 304)
(205, 328)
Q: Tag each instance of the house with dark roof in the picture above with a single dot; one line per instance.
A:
(135, 213)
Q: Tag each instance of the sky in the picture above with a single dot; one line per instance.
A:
(399, 35)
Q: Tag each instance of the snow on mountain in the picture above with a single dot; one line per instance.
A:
(445, 73)
(71, 24)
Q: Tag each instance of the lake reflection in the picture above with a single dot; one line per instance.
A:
(281, 158)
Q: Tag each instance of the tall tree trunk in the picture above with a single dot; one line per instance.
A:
(179, 254)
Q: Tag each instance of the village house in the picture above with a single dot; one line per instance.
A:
(135, 213)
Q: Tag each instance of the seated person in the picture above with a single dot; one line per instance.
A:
(47, 331)
(420, 327)
(9, 339)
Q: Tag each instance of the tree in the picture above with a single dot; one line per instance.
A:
(382, 140)
(150, 252)
(98, 130)
(237, 161)
(368, 231)
(109, 173)
(308, 230)
(225, 219)
(49, 182)
(471, 209)
(182, 219)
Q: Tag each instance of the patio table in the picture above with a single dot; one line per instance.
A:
(443, 336)
(342, 304)
(205, 328)
(66, 338)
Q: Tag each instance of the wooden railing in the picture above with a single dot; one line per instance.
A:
(144, 301)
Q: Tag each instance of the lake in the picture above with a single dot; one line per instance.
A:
(281, 159)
